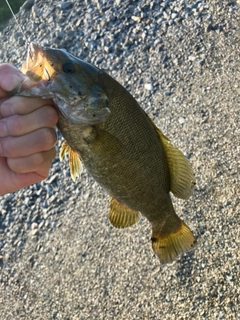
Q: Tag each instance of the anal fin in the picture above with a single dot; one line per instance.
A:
(122, 216)
(74, 160)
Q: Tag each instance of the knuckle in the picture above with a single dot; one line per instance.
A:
(15, 165)
(38, 159)
(7, 108)
(15, 125)
(48, 138)
(44, 159)
(7, 148)
(51, 114)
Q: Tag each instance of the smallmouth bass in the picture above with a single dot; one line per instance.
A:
(120, 146)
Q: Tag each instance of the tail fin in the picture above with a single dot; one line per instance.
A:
(168, 246)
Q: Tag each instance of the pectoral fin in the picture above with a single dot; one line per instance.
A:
(74, 160)
(122, 216)
(181, 173)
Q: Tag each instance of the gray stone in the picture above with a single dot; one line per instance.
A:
(66, 5)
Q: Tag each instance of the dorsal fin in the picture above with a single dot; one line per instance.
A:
(74, 160)
(181, 173)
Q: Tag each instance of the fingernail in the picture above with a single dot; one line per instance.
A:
(16, 80)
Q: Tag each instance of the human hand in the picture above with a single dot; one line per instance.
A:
(27, 137)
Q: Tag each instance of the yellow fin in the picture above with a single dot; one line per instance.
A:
(181, 173)
(122, 216)
(64, 150)
(167, 247)
(74, 160)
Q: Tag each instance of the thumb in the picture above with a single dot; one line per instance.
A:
(10, 77)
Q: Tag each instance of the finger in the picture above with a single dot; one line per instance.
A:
(38, 162)
(20, 125)
(21, 105)
(1, 101)
(37, 141)
(3, 93)
(10, 77)
(15, 181)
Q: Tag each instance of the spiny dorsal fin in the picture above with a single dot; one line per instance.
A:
(74, 160)
(122, 216)
(181, 173)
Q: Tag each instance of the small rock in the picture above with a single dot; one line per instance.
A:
(44, 204)
(167, 93)
(26, 201)
(20, 244)
(34, 226)
(33, 232)
(191, 58)
(53, 224)
(35, 12)
(148, 86)
(66, 5)
(136, 19)
(165, 59)
(174, 15)
(181, 120)
(60, 34)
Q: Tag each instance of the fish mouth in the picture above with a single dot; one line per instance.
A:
(76, 95)
(37, 67)
(34, 53)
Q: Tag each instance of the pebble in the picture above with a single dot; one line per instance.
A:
(148, 86)
(181, 120)
(167, 93)
(34, 226)
(26, 201)
(174, 15)
(20, 244)
(66, 5)
(191, 58)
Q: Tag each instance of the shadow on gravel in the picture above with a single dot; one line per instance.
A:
(186, 268)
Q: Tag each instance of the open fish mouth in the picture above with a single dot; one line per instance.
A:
(37, 66)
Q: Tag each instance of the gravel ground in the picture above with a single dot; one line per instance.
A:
(59, 256)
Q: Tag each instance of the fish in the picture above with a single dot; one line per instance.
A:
(120, 146)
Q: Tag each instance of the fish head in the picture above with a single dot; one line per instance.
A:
(69, 81)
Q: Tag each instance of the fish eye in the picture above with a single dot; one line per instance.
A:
(68, 67)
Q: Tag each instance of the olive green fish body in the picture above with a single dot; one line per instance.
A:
(121, 148)
(125, 156)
